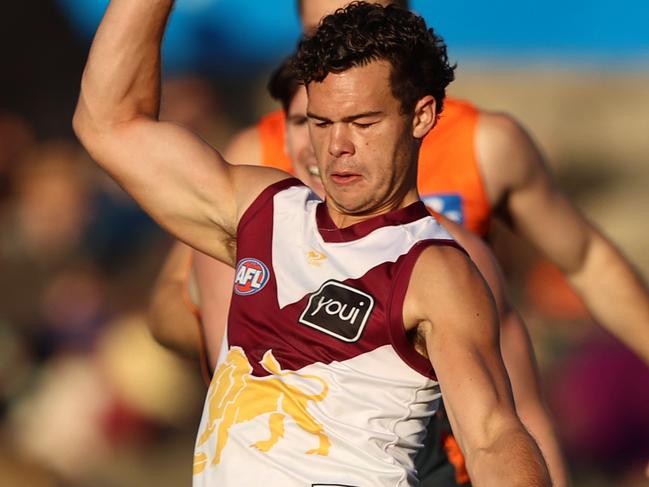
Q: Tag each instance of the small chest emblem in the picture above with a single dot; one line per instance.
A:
(315, 258)
(450, 205)
(251, 276)
(338, 310)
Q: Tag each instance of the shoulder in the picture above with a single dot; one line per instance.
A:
(440, 264)
(244, 147)
(253, 181)
(441, 272)
(500, 128)
(507, 155)
(261, 176)
(445, 285)
(482, 257)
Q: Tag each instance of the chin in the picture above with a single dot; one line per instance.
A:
(352, 207)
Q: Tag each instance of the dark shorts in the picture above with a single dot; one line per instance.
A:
(433, 464)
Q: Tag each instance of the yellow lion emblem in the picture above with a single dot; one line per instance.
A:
(236, 396)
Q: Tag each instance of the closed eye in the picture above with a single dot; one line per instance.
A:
(363, 125)
(322, 123)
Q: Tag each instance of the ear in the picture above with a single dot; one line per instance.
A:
(425, 116)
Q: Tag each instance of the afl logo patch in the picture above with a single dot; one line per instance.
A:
(251, 277)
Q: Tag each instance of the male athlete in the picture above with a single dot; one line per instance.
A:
(478, 164)
(189, 311)
(475, 164)
(325, 380)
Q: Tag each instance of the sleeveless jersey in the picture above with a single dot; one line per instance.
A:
(318, 383)
(449, 178)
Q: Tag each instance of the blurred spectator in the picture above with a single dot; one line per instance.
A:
(85, 406)
(15, 137)
(600, 399)
(80, 379)
(192, 101)
(42, 227)
(52, 202)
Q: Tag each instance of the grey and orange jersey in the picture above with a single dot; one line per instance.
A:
(318, 383)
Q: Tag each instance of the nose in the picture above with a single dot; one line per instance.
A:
(340, 143)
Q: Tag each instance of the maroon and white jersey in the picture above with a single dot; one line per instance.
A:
(318, 384)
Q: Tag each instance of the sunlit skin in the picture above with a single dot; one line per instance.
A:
(314, 10)
(298, 144)
(304, 163)
(365, 146)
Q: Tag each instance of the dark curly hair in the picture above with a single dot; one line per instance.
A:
(400, 3)
(361, 33)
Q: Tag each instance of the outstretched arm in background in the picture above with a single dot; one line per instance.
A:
(173, 319)
(521, 188)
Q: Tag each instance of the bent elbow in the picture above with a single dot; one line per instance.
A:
(85, 126)
(80, 123)
(94, 119)
(157, 323)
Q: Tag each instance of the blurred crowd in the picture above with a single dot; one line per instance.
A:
(86, 394)
(88, 399)
(81, 382)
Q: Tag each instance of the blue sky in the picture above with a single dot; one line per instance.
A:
(247, 33)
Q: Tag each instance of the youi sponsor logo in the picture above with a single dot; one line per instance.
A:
(338, 310)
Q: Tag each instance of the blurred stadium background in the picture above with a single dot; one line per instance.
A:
(86, 397)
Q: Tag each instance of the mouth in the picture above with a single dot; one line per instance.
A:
(345, 178)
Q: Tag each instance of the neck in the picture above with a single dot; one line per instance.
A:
(344, 218)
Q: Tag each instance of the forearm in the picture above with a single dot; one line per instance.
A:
(536, 419)
(615, 294)
(512, 459)
(518, 356)
(171, 321)
(214, 284)
(121, 80)
(173, 325)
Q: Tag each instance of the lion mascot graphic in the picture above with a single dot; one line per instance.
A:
(236, 396)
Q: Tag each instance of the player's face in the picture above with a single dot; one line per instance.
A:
(298, 143)
(364, 145)
(314, 10)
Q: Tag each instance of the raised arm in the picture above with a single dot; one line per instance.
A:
(449, 304)
(181, 181)
(521, 186)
